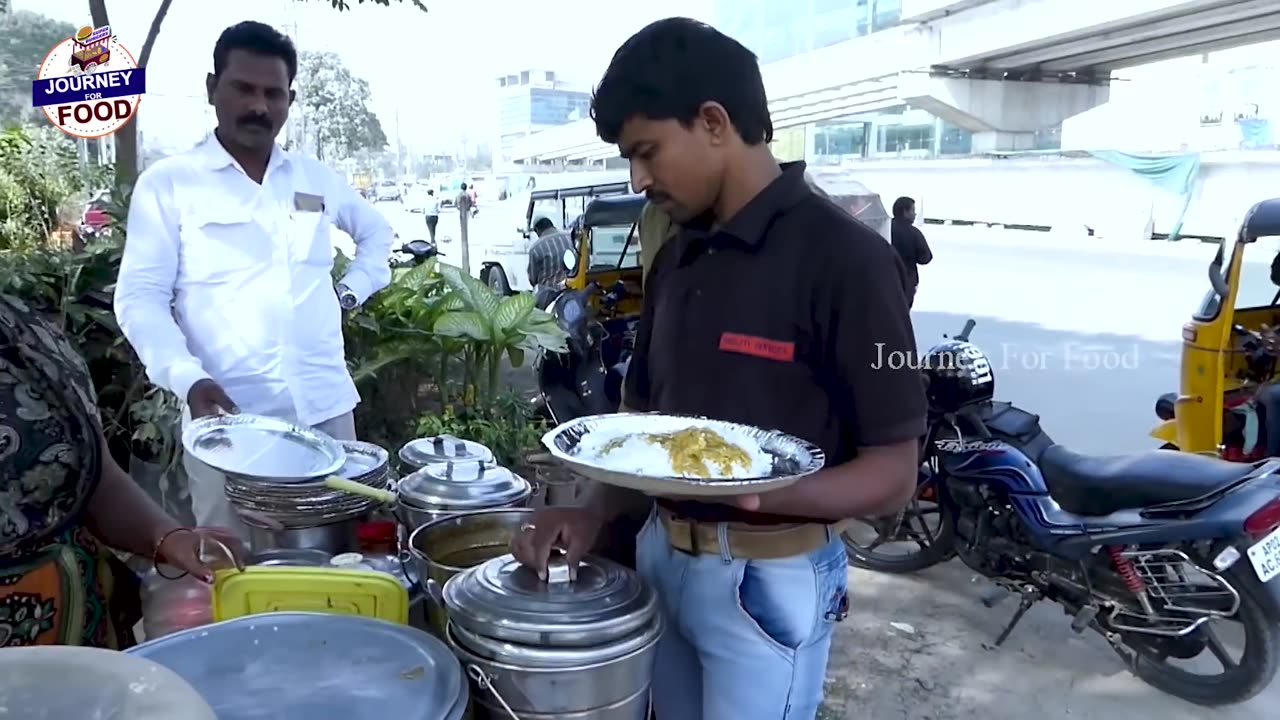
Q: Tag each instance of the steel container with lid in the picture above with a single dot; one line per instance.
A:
(578, 646)
(443, 489)
(305, 666)
(417, 454)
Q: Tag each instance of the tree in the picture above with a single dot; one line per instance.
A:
(126, 138)
(28, 37)
(332, 108)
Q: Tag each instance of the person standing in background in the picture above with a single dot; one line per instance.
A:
(433, 213)
(464, 205)
(225, 289)
(910, 243)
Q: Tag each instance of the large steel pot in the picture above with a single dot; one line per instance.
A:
(563, 647)
(446, 546)
(443, 489)
(307, 666)
(417, 454)
(334, 538)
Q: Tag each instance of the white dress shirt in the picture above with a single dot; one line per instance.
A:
(433, 205)
(228, 279)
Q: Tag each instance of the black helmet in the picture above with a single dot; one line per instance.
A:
(958, 374)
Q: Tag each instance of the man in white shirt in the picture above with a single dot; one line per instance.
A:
(433, 213)
(225, 290)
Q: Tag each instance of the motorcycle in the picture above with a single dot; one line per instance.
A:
(580, 382)
(1151, 550)
(415, 252)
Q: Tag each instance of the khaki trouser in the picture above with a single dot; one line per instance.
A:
(208, 495)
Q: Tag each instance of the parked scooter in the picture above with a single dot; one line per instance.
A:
(415, 252)
(581, 382)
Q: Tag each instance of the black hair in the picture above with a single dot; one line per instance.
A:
(902, 205)
(670, 69)
(464, 186)
(543, 225)
(431, 192)
(258, 38)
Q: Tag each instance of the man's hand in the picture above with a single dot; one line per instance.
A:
(208, 398)
(1270, 340)
(572, 529)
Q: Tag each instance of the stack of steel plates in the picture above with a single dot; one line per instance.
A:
(308, 504)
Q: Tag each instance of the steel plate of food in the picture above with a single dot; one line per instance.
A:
(680, 455)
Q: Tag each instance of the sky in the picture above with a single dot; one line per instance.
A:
(437, 71)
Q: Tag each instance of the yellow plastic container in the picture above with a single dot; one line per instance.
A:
(266, 589)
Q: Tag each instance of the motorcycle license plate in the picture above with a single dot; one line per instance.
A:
(1265, 556)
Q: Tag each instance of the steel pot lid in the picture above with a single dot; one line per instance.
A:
(444, 448)
(461, 486)
(504, 600)
(303, 666)
(362, 460)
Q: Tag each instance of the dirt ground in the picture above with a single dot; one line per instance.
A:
(917, 648)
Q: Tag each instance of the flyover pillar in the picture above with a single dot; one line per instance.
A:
(1003, 115)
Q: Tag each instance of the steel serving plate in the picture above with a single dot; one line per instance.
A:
(262, 447)
(793, 458)
(305, 666)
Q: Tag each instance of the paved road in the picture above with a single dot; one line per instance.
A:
(1047, 311)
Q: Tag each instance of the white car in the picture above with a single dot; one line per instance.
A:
(388, 190)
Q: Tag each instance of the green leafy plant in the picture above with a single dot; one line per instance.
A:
(433, 339)
(491, 327)
(506, 425)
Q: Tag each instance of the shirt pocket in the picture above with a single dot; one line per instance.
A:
(309, 238)
(219, 244)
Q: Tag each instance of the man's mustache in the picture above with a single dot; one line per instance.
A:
(259, 120)
(656, 197)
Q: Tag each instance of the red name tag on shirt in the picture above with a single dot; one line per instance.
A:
(758, 347)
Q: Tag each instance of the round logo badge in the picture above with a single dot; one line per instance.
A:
(89, 85)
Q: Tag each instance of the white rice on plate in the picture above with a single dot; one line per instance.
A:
(631, 448)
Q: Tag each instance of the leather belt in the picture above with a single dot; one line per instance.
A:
(748, 542)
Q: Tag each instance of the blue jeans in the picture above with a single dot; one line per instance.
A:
(745, 639)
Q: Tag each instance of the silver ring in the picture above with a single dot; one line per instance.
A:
(527, 527)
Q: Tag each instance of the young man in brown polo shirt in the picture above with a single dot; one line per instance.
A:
(770, 307)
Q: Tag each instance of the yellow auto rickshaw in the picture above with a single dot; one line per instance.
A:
(1223, 362)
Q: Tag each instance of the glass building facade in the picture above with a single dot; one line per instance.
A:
(534, 100)
(535, 106)
(776, 30)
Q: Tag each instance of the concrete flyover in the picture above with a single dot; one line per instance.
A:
(1001, 69)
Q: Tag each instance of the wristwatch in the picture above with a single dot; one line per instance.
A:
(346, 298)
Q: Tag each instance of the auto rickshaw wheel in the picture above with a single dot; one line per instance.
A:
(1170, 446)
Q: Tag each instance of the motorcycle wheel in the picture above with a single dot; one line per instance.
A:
(934, 545)
(1239, 680)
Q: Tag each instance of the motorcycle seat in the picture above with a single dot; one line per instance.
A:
(1093, 485)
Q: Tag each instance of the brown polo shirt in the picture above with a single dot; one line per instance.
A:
(791, 316)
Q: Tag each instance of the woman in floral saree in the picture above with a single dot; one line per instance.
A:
(64, 501)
